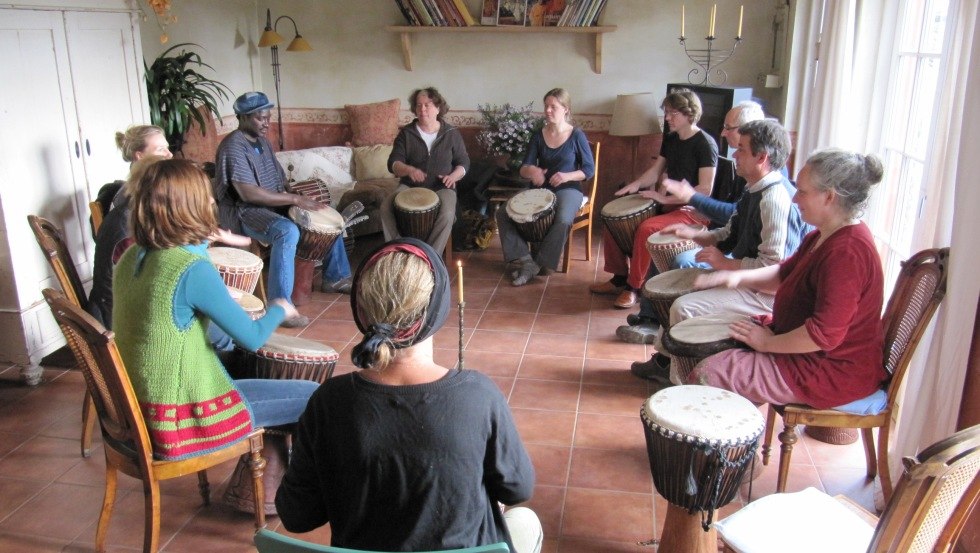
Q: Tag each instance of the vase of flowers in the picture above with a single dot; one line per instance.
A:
(507, 131)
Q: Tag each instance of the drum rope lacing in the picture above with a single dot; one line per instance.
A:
(720, 454)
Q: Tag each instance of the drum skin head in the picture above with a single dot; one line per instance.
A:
(703, 414)
(233, 257)
(283, 343)
(527, 205)
(626, 205)
(704, 329)
(248, 302)
(673, 283)
(659, 238)
(416, 199)
(327, 219)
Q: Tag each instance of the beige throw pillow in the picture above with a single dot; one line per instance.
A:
(371, 162)
(375, 123)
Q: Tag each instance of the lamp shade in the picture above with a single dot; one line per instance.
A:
(269, 38)
(299, 44)
(635, 115)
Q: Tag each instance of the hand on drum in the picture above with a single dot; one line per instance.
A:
(287, 307)
(230, 238)
(728, 279)
(449, 180)
(751, 334)
(558, 178)
(712, 256)
(416, 174)
(680, 230)
(680, 190)
(307, 203)
(631, 188)
(660, 198)
(535, 175)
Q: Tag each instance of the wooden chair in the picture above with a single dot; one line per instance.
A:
(583, 219)
(52, 244)
(920, 287)
(97, 217)
(932, 502)
(267, 541)
(125, 438)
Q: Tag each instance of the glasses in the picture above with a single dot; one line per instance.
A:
(672, 113)
(725, 127)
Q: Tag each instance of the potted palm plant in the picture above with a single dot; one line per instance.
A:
(176, 90)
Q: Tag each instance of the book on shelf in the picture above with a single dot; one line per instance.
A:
(422, 13)
(512, 12)
(489, 14)
(581, 13)
(464, 12)
(406, 11)
(446, 12)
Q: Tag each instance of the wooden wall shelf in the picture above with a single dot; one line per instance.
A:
(406, 32)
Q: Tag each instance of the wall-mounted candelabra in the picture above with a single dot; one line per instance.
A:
(708, 59)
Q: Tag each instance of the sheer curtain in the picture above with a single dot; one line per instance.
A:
(838, 75)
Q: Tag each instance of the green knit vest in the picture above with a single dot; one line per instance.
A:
(188, 400)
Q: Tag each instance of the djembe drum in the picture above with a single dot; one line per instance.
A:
(249, 302)
(700, 441)
(416, 211)
(291, 358)
(239, 269)
(691, 340)
(315, 189)
(282, 358)
(623, 216)
(664, 248)
(533, 212)
(666, 287)
(317, 232)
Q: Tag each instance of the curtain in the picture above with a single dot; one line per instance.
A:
(934, 385)
(835, 93)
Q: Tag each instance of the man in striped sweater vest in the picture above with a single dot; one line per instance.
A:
(765, 228)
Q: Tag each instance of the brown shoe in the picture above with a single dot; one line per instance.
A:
(626, 299)
(605, 288)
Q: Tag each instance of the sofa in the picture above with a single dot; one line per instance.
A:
(349, 173)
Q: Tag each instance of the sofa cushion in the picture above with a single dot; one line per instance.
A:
(330, 164)
(371, 162)
(375, 123)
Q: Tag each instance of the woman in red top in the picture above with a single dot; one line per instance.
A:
(823, 344)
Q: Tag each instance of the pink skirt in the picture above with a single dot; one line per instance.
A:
(750, 374)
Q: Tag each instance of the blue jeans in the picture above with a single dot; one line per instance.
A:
(276, 402)
(283, 234)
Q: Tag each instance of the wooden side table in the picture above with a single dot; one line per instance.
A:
(503, 187)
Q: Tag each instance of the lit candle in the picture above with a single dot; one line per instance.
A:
(682, 20)
(711, 26)
(459, 267)
(741, 11)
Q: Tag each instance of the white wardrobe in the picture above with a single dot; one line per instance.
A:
(71, 78)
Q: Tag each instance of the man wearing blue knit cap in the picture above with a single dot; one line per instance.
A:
(249, 186)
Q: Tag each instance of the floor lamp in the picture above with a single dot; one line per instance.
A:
(634, 115)
(271, 38)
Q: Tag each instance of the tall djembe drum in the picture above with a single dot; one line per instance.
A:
(700, 441)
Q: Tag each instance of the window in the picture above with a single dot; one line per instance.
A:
(899, 204)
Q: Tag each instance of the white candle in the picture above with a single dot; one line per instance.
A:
(682, 20)
(741, 11)
(459, 266)
(711, 26)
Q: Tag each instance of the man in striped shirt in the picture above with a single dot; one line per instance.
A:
(250, 190)
(765, 229)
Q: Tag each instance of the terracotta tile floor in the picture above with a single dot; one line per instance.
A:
(549, 346)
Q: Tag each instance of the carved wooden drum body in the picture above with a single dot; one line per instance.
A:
(533, 212)
(238, 268)
(623, 216)
(416, 211)
(664, 248)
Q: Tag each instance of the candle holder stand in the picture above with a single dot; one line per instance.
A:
(708, 59)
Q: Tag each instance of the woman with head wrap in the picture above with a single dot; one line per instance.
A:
(407, 455)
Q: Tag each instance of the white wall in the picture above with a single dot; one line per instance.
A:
(356, 60)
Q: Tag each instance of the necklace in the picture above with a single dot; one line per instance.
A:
(824, 236)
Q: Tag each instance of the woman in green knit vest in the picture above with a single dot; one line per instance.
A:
(165, 291)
